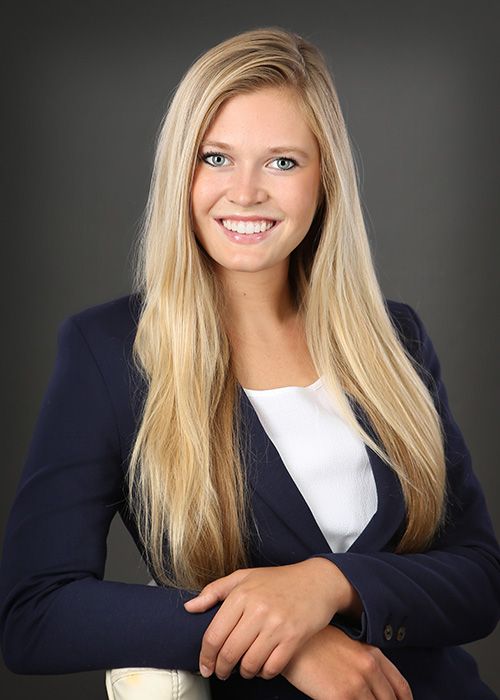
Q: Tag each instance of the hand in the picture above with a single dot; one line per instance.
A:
(267, 614)
(332, 666)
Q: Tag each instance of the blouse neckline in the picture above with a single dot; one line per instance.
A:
(310, 387)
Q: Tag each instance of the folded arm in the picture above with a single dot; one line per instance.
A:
(450, 594)
(57, 615)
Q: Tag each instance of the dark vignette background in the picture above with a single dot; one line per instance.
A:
(84, 87)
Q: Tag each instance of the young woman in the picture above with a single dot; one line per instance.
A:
(274, 433)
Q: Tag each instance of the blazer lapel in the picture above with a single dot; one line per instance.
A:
(387, 522)
(269, 480)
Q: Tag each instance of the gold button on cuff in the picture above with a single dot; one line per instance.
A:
(388, 632)
(401, 634)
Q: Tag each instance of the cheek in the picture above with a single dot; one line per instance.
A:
(201, 203)
(198, 195)
(314, 191)
(204, 193)
(303, 200)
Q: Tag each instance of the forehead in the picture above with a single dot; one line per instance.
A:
(269, 116)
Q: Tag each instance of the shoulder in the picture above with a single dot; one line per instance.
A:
(119, 317)
(406, 322)
(402, 315)
(105, 332)
(101, 337)
(114, 321)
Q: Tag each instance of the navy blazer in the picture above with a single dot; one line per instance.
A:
(58, 615)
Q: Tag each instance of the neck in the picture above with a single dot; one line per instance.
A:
(256, 301)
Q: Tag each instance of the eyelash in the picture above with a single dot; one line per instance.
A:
(204, 156)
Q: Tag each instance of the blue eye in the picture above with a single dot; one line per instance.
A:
(291, 163)
(216, 164)
(218, 161)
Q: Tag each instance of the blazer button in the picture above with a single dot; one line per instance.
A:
(401, 634)
(388, 632)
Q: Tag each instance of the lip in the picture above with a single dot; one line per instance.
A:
(245, 238)
(247, 218)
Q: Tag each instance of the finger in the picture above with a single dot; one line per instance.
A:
(216, 634)
(387, 682)
(256, 653)
(277, 659)
(399, 684)
(236, 645)
(380, 686)
(215, 591)
(202, 602)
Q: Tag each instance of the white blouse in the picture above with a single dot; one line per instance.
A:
(326, 459)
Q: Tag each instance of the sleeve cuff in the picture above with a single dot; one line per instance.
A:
(353, 630)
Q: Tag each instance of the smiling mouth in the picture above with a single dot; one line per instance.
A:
(247, 227)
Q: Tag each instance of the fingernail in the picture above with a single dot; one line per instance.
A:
(193, 600)
(205, 671)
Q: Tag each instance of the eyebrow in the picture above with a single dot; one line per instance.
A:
(275, 150)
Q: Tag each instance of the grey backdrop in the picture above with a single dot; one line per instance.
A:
(84, 89)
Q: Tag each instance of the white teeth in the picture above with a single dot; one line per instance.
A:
(247, 227)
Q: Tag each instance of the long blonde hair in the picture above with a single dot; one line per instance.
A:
(186, 475)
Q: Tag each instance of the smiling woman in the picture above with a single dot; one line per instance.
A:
(250, 192)
(274, 433)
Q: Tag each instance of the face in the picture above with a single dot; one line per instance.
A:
(257, 181)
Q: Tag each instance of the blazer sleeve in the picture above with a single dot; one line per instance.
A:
(449, 594)
(57, 614)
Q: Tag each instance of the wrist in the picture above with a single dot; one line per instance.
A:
(346, 600)
(300, 670)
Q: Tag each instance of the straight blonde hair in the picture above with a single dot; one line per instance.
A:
(186, 478)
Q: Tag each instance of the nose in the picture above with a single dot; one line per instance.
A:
(245, 188)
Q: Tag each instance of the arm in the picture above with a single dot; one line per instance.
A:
(267, 615)
(447, 595)
(57, 615)
(450, 594)
(331, 664)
